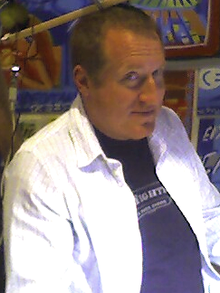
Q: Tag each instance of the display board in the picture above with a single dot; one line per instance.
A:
(208, 116)
(190, 28)
(45, 83)
(209, 147)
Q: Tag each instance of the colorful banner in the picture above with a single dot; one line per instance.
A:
(209, 92)
(45, 81)
(209, 147)
(208, 111)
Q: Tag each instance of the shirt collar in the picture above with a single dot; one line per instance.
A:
(86, 144)
(157, 143)
(82, 134)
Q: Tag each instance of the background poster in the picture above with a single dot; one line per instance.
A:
(208, 113)
(50, 88)
(209, 147)
(209, 92)
(47, 86)
(183, 23)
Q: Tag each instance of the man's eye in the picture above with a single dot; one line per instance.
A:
(132, 80)
(158, 73)
(158, 76)
(132, 76)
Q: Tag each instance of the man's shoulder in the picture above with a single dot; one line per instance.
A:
(169, 118)
(169, 113)
(52, 133)
(47, 149)
(169, 126)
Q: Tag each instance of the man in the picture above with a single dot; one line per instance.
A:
(109, 197)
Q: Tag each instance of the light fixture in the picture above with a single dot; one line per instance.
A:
(15, 70)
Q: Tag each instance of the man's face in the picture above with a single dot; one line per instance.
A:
(127, 103)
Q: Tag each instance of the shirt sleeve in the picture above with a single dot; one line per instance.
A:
(210, 196)
(37, 232)
(211, 215)
(210, 203)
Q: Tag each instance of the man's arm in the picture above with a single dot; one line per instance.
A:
(38, 240)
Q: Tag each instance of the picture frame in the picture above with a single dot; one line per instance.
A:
(210, 45)
(189, 28)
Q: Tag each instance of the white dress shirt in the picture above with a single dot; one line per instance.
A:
(70, 220)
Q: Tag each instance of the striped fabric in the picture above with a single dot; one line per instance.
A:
(70, 220)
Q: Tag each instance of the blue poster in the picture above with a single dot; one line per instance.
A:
(209, 92)
(182, 22)
(208, 111)
(208, 148)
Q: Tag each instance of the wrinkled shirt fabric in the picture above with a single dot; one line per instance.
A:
(70, 220)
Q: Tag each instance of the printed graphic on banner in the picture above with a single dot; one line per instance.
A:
(209, 91)
(45, 78)
(209, 148)
(178, 19)
(185, 25)
(44, 81)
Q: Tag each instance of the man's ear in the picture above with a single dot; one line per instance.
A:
(81, 80)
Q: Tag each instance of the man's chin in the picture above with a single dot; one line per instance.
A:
(134, 133)
(141, 135)
(145, 131)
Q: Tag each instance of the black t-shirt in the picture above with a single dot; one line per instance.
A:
(171, 258)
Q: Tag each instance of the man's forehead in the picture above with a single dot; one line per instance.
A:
(116, 30)
(143, 55)
(117, 40)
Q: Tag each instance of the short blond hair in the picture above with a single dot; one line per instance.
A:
(89, 33)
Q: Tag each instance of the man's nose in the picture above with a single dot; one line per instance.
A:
(149, 90)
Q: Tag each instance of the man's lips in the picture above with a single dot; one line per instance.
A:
(145, 115)
(146, 112)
